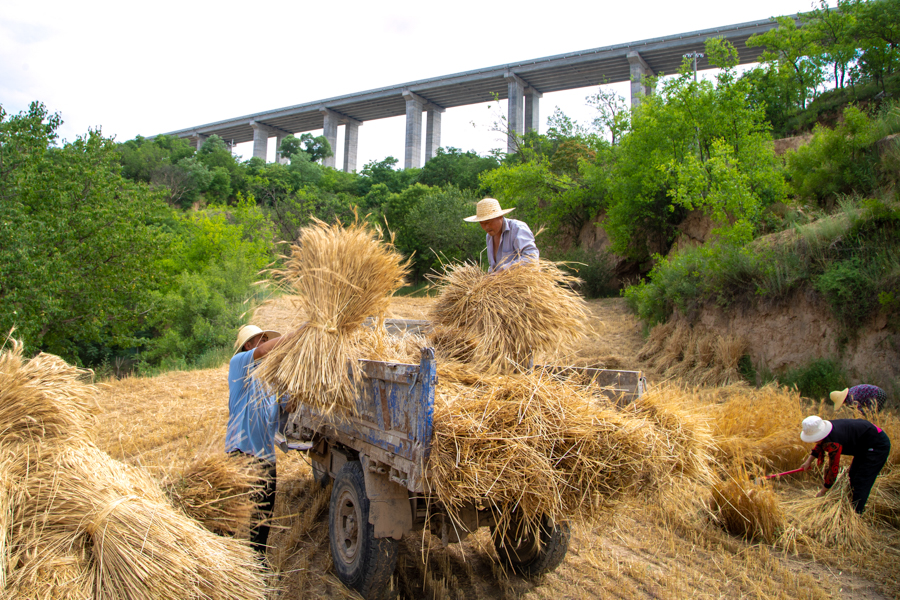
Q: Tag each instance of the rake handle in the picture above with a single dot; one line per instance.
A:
(785, 473)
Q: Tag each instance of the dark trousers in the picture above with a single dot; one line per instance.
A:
(265, 500)
(865, 468)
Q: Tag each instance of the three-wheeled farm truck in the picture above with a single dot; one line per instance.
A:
(378, 461)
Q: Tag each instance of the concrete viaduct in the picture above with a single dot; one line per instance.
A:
(522, 84)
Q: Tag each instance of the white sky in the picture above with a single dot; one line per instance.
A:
(150, 68)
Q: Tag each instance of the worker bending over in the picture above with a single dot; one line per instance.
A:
(868, 444)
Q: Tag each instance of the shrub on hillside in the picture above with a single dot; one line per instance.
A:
(817, 379)
(836, 161)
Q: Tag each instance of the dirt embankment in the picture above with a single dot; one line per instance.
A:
(794, 332)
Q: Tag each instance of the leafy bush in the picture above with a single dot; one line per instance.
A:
(595, 268)
(215, 260)
(851, 289)
(836, 161)
(817, 379)
(852, 258)
(80, 246)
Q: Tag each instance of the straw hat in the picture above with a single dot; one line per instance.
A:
(249, 331)
(815, 429)
(487, 209)
(839, 397)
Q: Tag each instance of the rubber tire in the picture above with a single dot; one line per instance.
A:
(361, 561)
(320, 474)
(535, 553)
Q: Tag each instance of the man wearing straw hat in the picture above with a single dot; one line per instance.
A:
(867, 443)
(508, 241)
(862, 397)
(254, 416)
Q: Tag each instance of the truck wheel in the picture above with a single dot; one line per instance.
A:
(320, 474)
(361, 561)
(533, 551)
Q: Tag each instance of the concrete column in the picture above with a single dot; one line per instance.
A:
(279, 137)
(414, 106)
(331, 120)
(198, 139)
(532, 112)
(515, 111)
(432, 131)
(260, 140)
(639, 69)
(351, 143)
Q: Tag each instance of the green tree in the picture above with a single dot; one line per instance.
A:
(317, 147)
(80, 246)
(794, 54)
(877, 30)
(451, 166)
(437, 226)
(694, 145)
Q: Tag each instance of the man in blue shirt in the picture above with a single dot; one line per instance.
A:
(508, 241)
(254, 416)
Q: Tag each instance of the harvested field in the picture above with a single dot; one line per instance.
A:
(658, 547)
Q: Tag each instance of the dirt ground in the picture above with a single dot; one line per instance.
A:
(640, 550)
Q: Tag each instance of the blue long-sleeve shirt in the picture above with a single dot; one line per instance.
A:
(253, 416)
(516, 244)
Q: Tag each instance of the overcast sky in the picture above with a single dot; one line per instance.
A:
(144, 69)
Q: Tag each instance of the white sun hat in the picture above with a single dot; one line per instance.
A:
(839, 397)
(815, 429)
(247, 332)
(487, 209)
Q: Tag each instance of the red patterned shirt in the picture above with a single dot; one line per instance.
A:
(833, 449)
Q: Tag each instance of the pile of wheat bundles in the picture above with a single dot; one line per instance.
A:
(501, 321)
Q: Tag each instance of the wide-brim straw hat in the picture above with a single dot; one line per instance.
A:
(249, 331)
(815, 429)
(839, 397)
(487, 209)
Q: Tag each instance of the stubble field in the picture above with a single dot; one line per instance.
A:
(643, 548)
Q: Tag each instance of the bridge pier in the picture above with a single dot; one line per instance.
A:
(261, 135)
(198, 139)
(639, 70)
(351, 144)
(414, 106)
(279, 137)
(515, 113)
(432, 131)
(330, 121)
(532, 112)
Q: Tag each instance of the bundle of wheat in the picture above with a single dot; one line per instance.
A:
(219, 490)
(51, 571)
(684, 445)
(44, 398)
(746, 432)
(745, 509)
(695, 354)
(500, 321)
(534, 443)
(7, 503)
(831, 519)
(340, 275)
(884, 501)
(135, 544)
(376, 343)
(656, 341)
